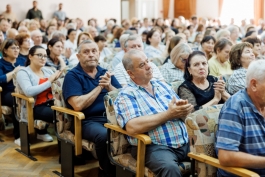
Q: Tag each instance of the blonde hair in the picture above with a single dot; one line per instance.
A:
(178, 50)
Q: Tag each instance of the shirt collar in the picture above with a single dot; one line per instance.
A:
(79, 69)
(133, 84)
(247, 98)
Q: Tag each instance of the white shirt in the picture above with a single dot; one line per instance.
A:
(69, 45)
(123, 77)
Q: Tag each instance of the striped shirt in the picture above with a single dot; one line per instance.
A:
(134, 101)
(241, 128)
(171, 73)
(237, 81)
(123, 77)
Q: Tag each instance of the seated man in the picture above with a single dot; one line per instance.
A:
(152, 107)
(83, 90)
(241, 130)
(134, 42)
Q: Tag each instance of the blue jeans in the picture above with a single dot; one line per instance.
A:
(93, 130)
(163, 160)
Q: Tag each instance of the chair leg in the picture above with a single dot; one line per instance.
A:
(24, 139)
(67, 165)
(193, 167)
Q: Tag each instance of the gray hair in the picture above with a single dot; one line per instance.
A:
(82, 43)
(122, 39)
(256, 70)
(232, 28)
(58, 34)
(220, 33)
(35, 32)
(127, 59)
(132, 38)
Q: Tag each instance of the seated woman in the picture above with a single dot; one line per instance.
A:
(73, 60)
(222, 33)
(35, 81)
(173, 70)
(219, 64)
(8, 65)
(207, 45)
(154, 48)
(240, 57)
(104, 51)
(256, 43)
(173, 42)
(54, 54)
(23, 40)
(199, 88)
(70, 43)
(116, 36)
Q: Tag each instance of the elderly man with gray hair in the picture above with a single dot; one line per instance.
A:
(241, 128)
(134, 42)
(152, 107)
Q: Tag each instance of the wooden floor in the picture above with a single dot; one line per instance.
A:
(14, 164)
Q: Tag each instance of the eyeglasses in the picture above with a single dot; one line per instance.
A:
(183, 60)
(26, 40)
(40, 56)
(14, 48)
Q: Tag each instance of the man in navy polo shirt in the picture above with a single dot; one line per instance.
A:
(83, 90)
(241, 129)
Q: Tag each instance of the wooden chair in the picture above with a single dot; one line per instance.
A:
(119, 148)
(23, 109)
(69, 142)
(201, 126)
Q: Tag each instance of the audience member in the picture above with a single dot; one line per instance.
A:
(234, 33)
(35, 81)
(8, 14)
(240, 56)
(34, 13)
(219, 64)
(200, 89)
(240, 134)
(207, 45)
(11, 33)
(9, 64)
(59, 14)
(36, 37)
(4, 26)
(173, 69)
(144, 99)
(134, 42)
(103, 50)
(83, 90)
(222, 33)
(70, 43)
(154, 48)
(23, 40)
(256, 43)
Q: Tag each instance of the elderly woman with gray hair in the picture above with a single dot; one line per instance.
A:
(173, 69)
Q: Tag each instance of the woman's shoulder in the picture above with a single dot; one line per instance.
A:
(46, 69)
(211, 78)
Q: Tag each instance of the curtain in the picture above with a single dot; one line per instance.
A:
(220, 6)
(258, 10)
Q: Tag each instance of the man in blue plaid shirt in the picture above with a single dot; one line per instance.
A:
(153, 108)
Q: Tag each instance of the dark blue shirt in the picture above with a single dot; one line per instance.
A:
(6, 67)
(24, 57)
(77, 83)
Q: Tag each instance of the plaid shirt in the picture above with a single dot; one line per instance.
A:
(237, 81)
(171, 73)
(134, 101)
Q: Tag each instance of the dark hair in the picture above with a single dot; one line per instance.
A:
(112, 29)
(249, 33)
(99, 38)
(221, 43)
(189, 27)
(133, 29)
(51, 43)
(45, 39)
(32, 52)
(6, 44)
(252, 40)
(69, 32)
(144, 32)
(47, 29)
(207, 38)
(149, 35)
(187, 75)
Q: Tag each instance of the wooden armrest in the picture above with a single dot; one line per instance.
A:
(215, 162)
(30, 119)
(28, 99)
(77, 114)
(142, 137)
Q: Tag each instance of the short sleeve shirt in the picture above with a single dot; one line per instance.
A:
(241, 128)
(77, 83)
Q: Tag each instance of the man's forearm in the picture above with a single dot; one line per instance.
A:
(240, 159)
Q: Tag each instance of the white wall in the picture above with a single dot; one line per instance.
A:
(84, 9)
(207, 8)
